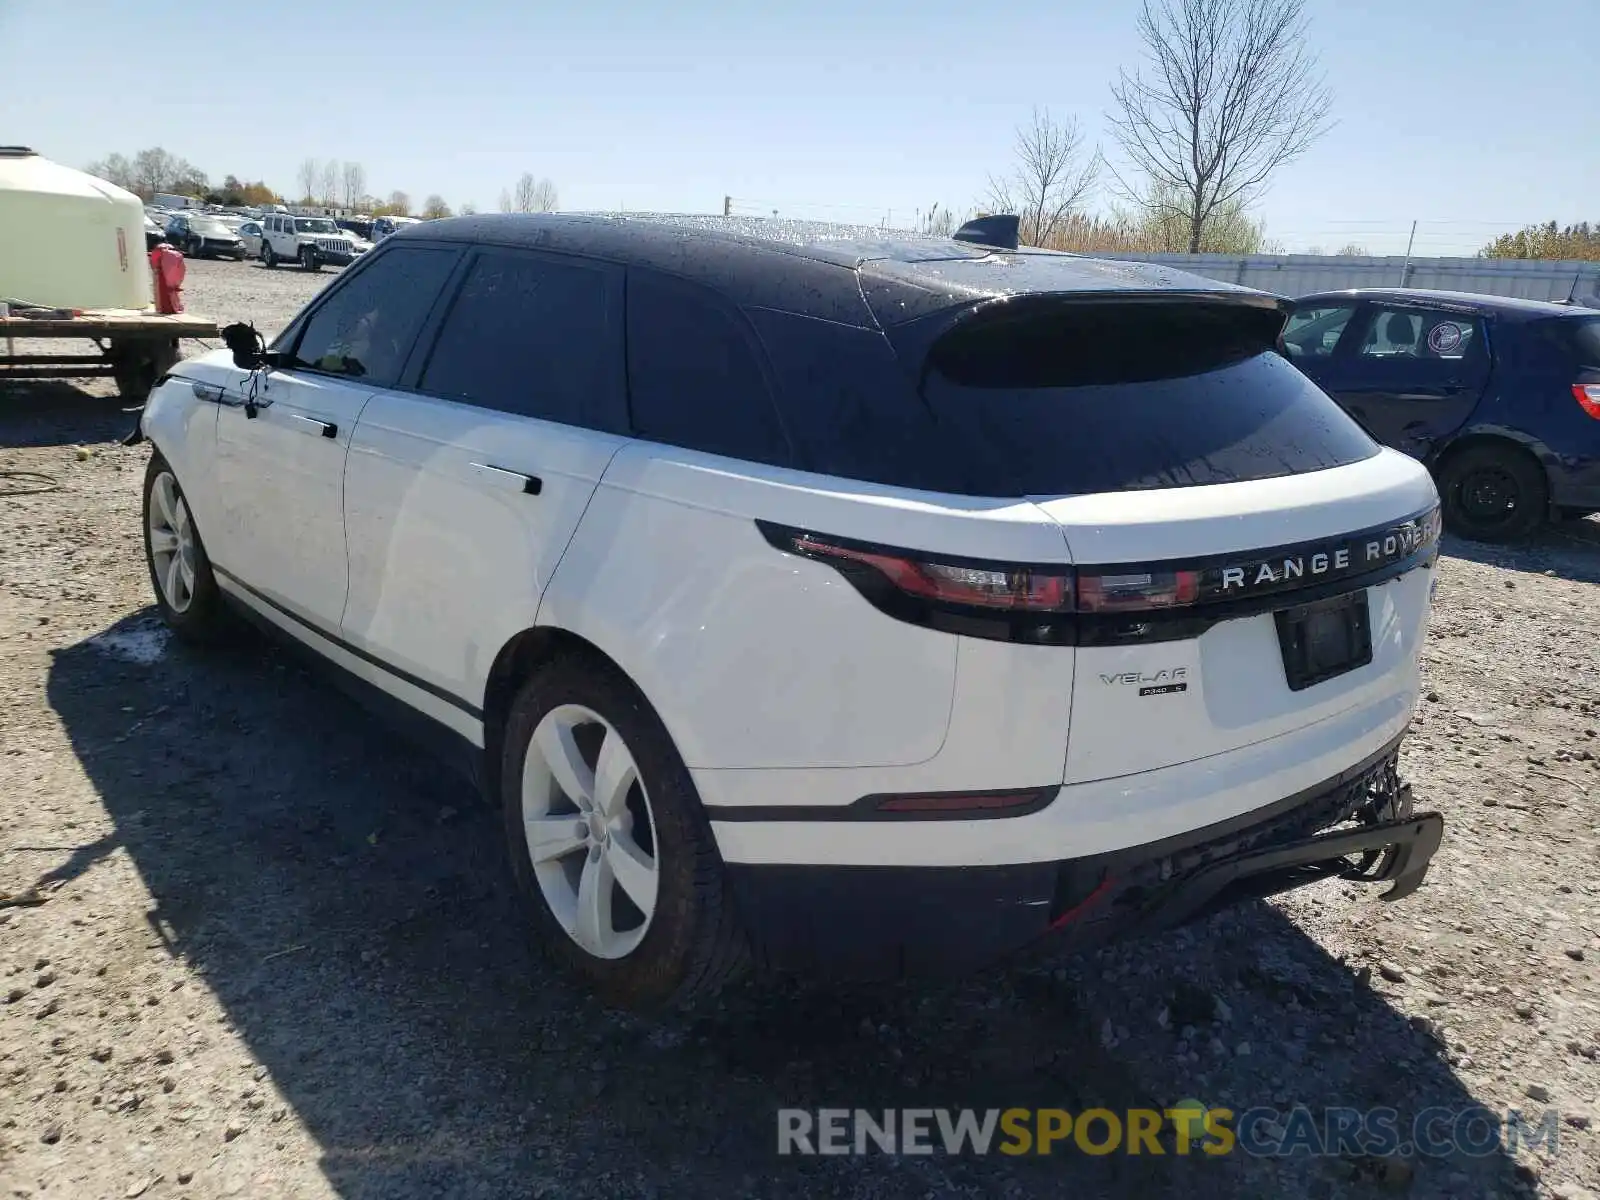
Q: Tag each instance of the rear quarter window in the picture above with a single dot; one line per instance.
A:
(695, 375)
(1582, 338)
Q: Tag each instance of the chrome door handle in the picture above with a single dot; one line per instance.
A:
(515, 481)
(311, 425)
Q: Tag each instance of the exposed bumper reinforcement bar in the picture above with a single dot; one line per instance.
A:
(1396, 852)
(885, 922)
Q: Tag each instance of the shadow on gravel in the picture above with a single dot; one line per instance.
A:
(54, 413)
(1569, 549)
(346, 902)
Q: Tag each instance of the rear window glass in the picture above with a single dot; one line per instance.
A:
(1076, 399)
(1060, 401)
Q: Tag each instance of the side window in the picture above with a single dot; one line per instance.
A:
(531, 336)
(1423, 334)
(694, 375)
(366, 327)
(1314, 332)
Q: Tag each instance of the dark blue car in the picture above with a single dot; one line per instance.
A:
(1499, 397)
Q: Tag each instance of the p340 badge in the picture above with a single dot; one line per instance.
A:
(1153, 683)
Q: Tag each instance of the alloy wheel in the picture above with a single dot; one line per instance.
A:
(590, 831)
(171, 543)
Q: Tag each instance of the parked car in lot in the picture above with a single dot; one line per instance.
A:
(1499, 397)
(383, 227)
(361, 228)
(250, 235)
(310, 241)
(886, 605)
(201, 236)
(155, 232)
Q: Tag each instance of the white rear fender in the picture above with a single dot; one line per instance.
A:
(757, 658)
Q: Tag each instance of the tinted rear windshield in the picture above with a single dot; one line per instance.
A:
(1074, 399)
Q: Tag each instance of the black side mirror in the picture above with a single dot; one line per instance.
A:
(248, 347)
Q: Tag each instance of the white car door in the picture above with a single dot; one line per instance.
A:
(462, 492)
(280, 459)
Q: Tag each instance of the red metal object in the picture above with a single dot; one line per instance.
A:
(166, 265)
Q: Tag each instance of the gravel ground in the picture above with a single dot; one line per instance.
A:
(252, 946)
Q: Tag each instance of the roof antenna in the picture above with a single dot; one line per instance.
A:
(998, 232)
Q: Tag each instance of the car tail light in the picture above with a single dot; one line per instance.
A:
(1137, 593)
(1058, 604)
(1588, 398)
(994, 586)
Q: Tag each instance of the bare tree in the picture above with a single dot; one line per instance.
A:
(1232, 94)
(399, 204)
(468, 209)
(1052, 177)
(328, 193)
(355, 184)
(530, 195)
(1354, 250)
(434, 207)
(309, 175)
(151, 171)
(154, 169)
(115, 168)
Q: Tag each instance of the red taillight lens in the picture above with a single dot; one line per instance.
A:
(993, 586)
(1588, 397)
(1132, 593)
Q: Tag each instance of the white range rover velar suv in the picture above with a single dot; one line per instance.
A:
(822, 599)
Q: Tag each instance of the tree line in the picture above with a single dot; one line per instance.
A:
(155, 170)
(1580, 242)
(328, 183)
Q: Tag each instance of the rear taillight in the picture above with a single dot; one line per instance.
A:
(1137, 593)
(1588, 397)
(999, 587)
(987, 586)
(1115, 604)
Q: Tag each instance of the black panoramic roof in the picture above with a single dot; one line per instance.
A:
(1513, 308)
(821, 269)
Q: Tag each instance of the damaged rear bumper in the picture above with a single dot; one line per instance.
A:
(886, 922)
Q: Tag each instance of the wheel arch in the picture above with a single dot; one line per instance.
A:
(1499, 438)
(517, 660)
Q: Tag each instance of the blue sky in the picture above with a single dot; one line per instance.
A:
(1470, 116)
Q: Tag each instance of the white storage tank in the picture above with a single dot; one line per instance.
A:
(67, 239)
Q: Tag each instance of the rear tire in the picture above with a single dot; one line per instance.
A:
(655, 926)
(180, 570)
(268, 257)
(132, 369)
(1493, 493)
